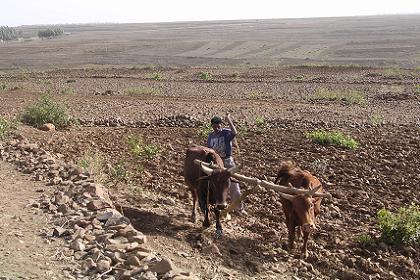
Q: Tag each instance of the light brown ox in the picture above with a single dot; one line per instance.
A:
(301, 209)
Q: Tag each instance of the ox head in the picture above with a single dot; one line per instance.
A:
(219, 182)
(304, 208)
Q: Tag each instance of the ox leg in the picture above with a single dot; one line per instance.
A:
(219, 230)
(206, 222)
(202, 201)
(305, 244)
(292, 235)
(193, 214)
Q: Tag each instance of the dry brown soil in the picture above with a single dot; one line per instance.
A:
(27, 250)
(382, 172)
(370, 40)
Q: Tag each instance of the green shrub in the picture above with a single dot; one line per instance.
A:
(332, 138)
(50, 33)
(255, 94)
(70, 81)
(392, 72)
(8, 33)
(142, 91)
(400, 227)
(118, 173)
(68, 90)
(299, 77)
(348, 96)
(205, 130)
(46, 110)
(92, 163)
(3, 86)
(366, 240)
(206, 76)
(157, 76)
(6, 128)
(417, 89)
(376, 119)
(261, 122)
(236, 75)
(140, 149)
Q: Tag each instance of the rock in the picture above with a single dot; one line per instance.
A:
(124, 275)
(103, 265)
(132, 261)
(162, 267)
(116, 257)
(148, 275)
(47, 127)
(77, 245)
(97, 205)
(60, 198)
(105, 216)
(63, 208)
(88, 264)
(141, 255)
(59, 231)
(99, 191)
(126, 230)
(139, 238)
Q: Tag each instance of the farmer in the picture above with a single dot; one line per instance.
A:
(220, 140)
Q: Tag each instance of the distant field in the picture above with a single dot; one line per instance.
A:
(369, 41)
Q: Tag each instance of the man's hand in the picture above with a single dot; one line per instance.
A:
(228, 119)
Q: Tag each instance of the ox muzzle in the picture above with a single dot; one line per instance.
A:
(308, 227)
(221, 206)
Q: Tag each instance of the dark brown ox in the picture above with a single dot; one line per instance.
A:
(302, 209)
(208, 186)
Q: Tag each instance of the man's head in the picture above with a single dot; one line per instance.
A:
(216, 123)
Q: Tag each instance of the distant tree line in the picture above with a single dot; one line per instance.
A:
(50, 33)
(8, 33)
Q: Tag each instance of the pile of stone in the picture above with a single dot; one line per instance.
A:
(170, 121)
(100, 237)
(178, 121)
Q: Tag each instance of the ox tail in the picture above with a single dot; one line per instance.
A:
(283, 174)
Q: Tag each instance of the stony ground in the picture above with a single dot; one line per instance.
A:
(27, 249)
(382, 172)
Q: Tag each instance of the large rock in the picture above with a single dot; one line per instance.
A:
(97, 204)
(163, 266)
(77, 245)
(103, 265)
(99, 191)
(47, 127)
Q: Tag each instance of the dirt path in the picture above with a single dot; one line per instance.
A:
(26, 252)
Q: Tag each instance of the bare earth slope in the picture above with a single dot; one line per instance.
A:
(373, 41)
(24, 252)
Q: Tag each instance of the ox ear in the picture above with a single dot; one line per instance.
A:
(314, 190)
(287, 196)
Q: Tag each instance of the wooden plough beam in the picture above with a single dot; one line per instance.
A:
(257, 184)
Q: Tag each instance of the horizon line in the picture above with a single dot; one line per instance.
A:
(212, 20)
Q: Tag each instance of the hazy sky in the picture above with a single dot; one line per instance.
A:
(19, 12)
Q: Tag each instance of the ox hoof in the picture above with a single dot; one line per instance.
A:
(218, 233)
(206, 224)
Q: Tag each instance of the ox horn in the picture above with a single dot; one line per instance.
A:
(206, 169)
(234, 169)
(314, 190)
(287, 196)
